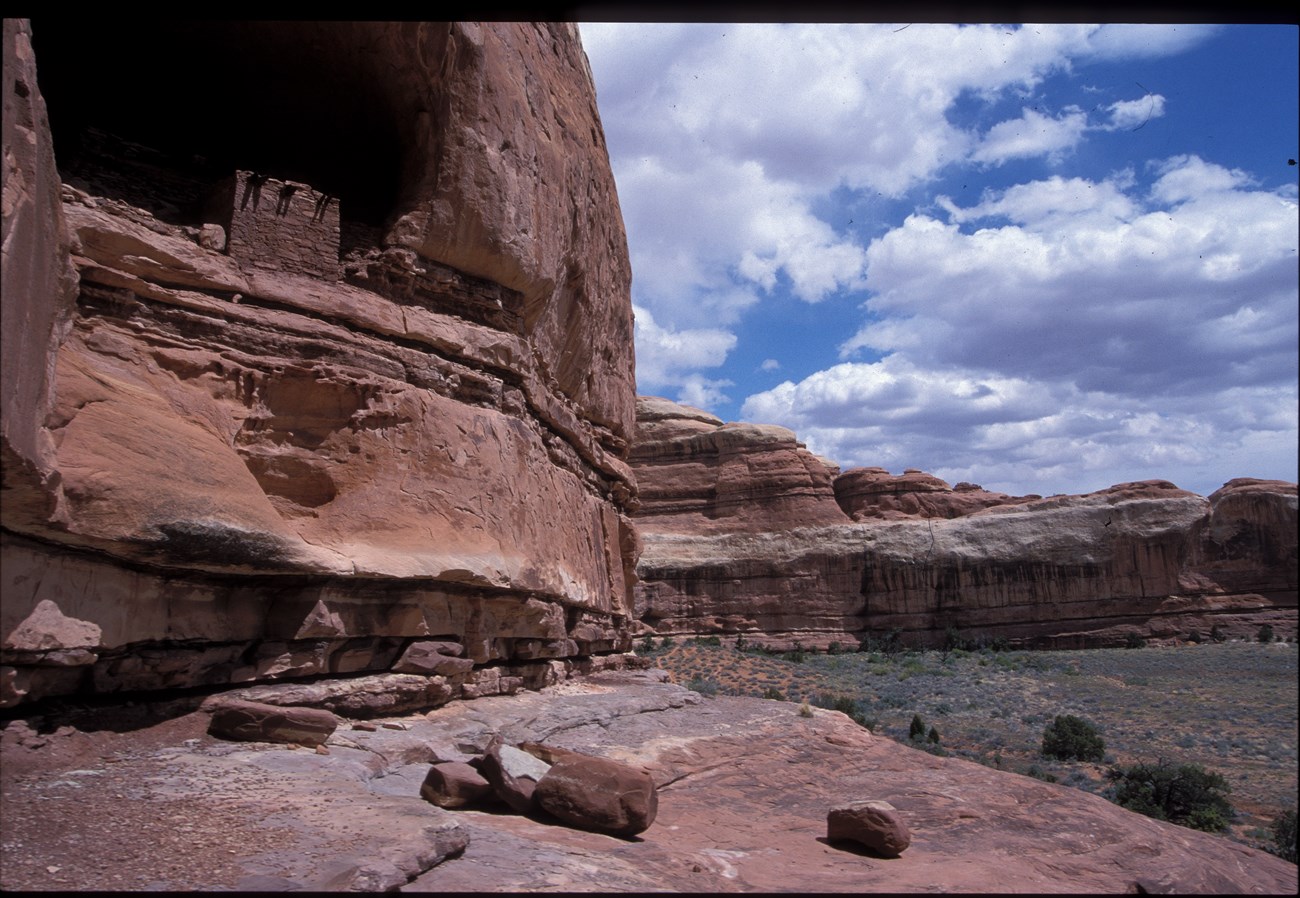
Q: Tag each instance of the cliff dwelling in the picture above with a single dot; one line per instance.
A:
(192, 102)
(300, 147)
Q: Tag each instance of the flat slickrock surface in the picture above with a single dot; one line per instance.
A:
(744, 788)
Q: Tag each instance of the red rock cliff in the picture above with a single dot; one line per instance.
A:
(925, 559)
(329, 357)
(698, 475)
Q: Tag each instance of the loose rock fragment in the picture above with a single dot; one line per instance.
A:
(599, 794)
(875, 824)
(453, 784)
(514, 774)
(254, 722)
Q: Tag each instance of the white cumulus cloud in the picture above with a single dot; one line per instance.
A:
(1033, 134)
(1129, 115)
(1093, 331)
(667, 358)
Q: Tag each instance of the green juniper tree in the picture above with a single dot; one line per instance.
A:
(1186, 794)
(1072, 738)
(917, 729)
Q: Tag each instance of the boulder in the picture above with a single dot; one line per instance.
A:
(513, 774)
(246, 721)
(47, 631)
(454, 784)
(599, 794)
(874, 824)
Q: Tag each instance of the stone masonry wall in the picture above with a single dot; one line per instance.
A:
(279, 225)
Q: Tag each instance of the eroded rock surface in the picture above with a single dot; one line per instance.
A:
(284, 401)
(875, 494)
(699, 475)
(931, 562)
(203, 813)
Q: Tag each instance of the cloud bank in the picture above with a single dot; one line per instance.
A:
(1048, 336)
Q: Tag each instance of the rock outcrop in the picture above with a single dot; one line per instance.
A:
(281, 398)
(875, 494)
(699, 475)
(929, 562)
(206, 814)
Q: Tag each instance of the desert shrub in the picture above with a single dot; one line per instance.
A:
(666, 642)
(1039, 773)
(1216, 634)
(933, 736)
(1068, 737)
(706, 686)
(1194, 636)
(771, 692)
(1284, 842)
(890, 643)
(805, 710)
(1265, 633)
(648, 644)
(845, 705)
(995, 645)
(916, 731)
(740, 642)
(1186, 794)
(796, 654)
(1134, 641)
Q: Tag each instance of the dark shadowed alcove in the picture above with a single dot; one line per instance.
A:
(154, 110)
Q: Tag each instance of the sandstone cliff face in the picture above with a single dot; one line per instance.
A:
(924, 559)
(698, 475)
(875, 494)
(356, 375)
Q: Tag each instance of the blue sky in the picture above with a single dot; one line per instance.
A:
(1042, 258)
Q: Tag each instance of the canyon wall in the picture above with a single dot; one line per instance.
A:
(915, 557)
(324, 369)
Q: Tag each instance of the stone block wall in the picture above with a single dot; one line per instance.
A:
(278, 225)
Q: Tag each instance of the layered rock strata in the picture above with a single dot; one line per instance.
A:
(283, 402)
(929, 562)
(699, 475)
(875, 494)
